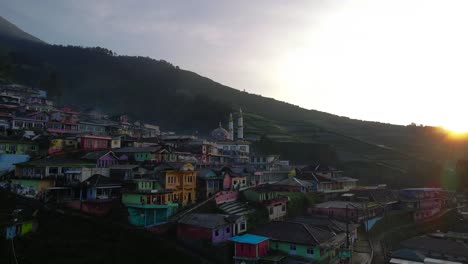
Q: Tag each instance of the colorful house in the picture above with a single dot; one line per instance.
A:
(328, 223)
(59, 168)
(208, 183)
(17, 229)
(122, 141)
(91, 142)
(214, 228)
(102, 158)
(303, 240)
(377, 194)
(233, 180)
(140, 154)
(62, 145)
(92, 128)
(148, 204)
(32, 188)
(62, 127)
(223, 197)
(181, 178)
(126, 172)
(426, 203)
(18, 147)
(327, 179)
(8, 161)
(66, 114)
(275, 203)
(96, 195)
(30, 121)
(249, 249)
(358, 212)
(293, 184)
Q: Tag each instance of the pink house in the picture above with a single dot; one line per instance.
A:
(91, 142)
(215, 228)
(233, 181)
(226, 196)
(249, 248)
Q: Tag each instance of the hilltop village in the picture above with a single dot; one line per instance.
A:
(211, 193)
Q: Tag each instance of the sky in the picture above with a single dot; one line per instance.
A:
(398, 61)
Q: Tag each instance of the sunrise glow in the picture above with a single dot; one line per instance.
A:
(374, 60)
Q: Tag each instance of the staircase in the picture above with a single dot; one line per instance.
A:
(235, 208)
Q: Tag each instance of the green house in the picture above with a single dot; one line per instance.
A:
(18, 147)
(274, 201)
(140, 154)
(148, 204)
(303, 240)
(261, 193)
(144, 156)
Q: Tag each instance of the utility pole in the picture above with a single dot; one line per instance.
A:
(347, 228)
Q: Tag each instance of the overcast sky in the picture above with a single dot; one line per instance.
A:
(391, 61)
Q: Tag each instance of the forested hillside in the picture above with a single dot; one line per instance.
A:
(180, 100)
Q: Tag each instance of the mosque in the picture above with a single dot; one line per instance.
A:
(221, 134)
(227, 142)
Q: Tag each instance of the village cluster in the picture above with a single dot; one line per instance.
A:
(94, 163)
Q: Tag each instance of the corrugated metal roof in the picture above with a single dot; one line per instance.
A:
(248, 239)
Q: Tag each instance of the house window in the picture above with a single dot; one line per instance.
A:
(2, 147)
(283, 208)
(271, 210)
(53, 170)
(242, 227)
(310, 251)
(292, 249)
(228, 230)
(216, 233)
(243, 181)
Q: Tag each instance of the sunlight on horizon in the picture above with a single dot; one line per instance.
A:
(394, 61)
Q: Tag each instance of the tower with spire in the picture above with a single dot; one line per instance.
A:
(231, 127)
(240, 126)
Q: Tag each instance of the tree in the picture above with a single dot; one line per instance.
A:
(52, 85)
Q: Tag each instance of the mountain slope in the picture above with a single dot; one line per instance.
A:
(155, 90)
(10, 30)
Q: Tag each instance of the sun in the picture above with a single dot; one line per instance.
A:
(459, 129)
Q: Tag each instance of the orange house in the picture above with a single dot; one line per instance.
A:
(181, 178)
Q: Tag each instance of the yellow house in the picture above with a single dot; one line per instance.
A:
(60, 145)
(182, 179)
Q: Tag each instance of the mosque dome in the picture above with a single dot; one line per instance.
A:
(220, 133)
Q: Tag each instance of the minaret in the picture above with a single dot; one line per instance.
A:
(240, 126)
(231, 127)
